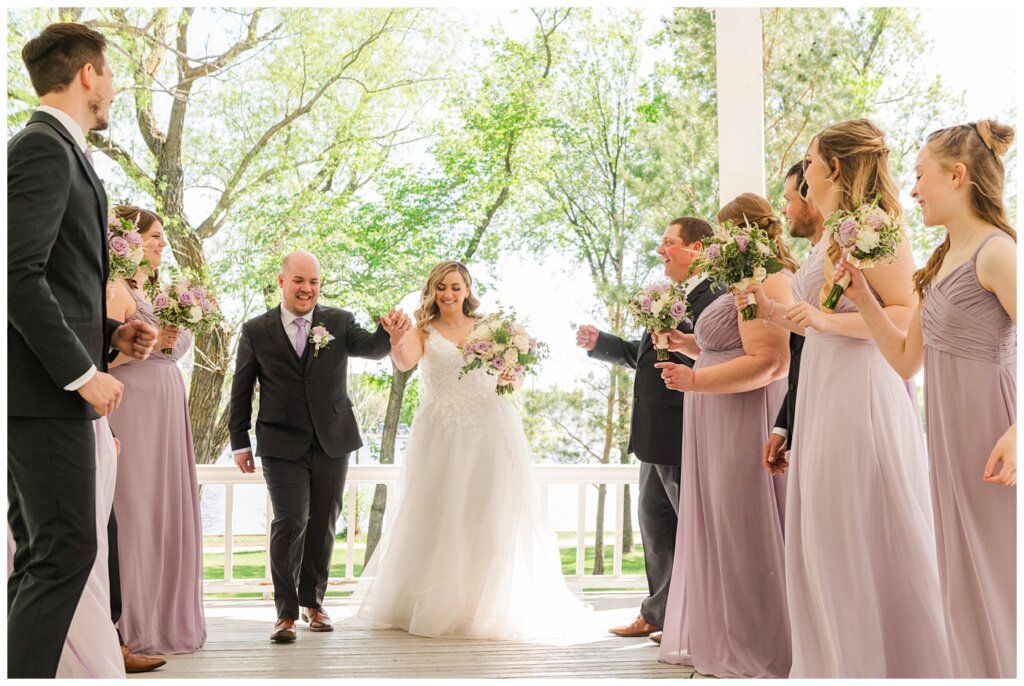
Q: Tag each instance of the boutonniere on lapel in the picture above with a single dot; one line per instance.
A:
(320, 337)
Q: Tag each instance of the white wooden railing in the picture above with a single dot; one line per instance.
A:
(544, 476)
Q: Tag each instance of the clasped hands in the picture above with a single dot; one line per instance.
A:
(396, 323)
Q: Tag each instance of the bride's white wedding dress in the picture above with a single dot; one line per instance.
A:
(467, 554)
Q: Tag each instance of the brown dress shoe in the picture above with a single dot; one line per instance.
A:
(284, 631)
(134, 663)
(317, 618)
(639, 627)
(656, 637)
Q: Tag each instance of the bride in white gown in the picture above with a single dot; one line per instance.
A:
(467, 554)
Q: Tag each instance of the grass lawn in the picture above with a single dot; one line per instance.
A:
(250, 565)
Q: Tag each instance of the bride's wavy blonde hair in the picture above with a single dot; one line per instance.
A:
(748, 208)
(428, 310)
(859, 146)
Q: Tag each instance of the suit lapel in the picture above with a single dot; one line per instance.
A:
(307, 355)
(277, 333)
(90, 173)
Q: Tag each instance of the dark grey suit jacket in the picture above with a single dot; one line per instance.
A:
(300, 397)
(57, 268)
(656, 427)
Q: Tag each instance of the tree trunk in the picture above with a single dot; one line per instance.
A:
(609, 438)
(625, 393)
(387, 456)
(602, 491)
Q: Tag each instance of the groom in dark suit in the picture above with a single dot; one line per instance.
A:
(656, 428)
(305, 429)
(59, 340)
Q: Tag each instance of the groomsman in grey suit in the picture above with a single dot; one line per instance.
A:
(305, 429)
(656, 429)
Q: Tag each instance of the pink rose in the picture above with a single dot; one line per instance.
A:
(646, 304)
(206, 305)
(119, 246)
(161, 301)
(848, 231)
(198, 292)
(678, 310)
(133, 237)
(482, 346)
(742, 242)
(186, 298)
(498, 363)
(713, 251)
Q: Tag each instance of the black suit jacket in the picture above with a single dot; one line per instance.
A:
(787, 412)
(57, 269)
(656, 427)
(299, 397)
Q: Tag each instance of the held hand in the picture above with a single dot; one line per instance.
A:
(586, 336)
(804, 314)
(1005, 451)
(135, 339)
(168, 337)
(103, 392)
(245, 462)
(396, 323)
(677, 377)
(858, 288)
(764, 303)
(677, 340)
(774, 456)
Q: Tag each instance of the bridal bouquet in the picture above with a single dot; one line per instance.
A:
(868, 236)
(661, 306)
(184, 303)
(739, 256)
(124, 246)
(502, 347)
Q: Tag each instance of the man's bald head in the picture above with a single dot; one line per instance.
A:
(299, 281)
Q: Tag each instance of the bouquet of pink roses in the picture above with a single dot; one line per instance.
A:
(868, 236)
(124, 247)
(184, 303)
(738, 257)
(661, 306)
(503, 348)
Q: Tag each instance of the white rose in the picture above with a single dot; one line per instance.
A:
(195, 313)
(522, 342)
(511, 356)
(760, 274)
(763, 248)
(867, 239)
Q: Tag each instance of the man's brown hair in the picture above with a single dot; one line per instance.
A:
(56, 55)
(692, 229)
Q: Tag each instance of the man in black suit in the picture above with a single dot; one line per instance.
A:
(656, 428)
(805, 221)
(59, 340)
(305, 429)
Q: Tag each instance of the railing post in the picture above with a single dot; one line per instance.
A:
(620, 511)
(581, 529)
(350, 543)
(229, 543)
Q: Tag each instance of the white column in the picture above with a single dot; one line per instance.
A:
(740, 102)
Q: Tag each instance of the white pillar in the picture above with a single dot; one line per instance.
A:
(740, 102)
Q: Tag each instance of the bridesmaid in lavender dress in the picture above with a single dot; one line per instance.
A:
(726, 612)
(91, 649)
(861, 572)
(157, 501)
(964, 333)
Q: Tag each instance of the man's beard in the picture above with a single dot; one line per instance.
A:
(801, 228)
(100, 118)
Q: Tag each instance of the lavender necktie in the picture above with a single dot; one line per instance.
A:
(88, 155)
(300, 336)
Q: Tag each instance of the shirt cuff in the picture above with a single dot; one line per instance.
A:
(82, 380)
(242, 450)
(782, 432)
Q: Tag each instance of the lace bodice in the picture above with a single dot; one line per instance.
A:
(441, 386)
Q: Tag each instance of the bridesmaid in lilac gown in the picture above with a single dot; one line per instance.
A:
(156, 501)
(964, 333)
(726, 612)
(861, 571)
(91, 649)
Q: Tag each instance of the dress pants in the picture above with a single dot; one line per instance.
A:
(658, 511)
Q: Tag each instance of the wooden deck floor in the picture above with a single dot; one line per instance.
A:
(238, 645)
